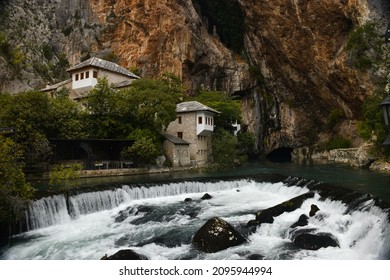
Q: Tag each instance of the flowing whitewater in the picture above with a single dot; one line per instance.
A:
(156, 222)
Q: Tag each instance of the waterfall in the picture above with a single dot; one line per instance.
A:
(46, 212)
(155, 220)
(53, 210)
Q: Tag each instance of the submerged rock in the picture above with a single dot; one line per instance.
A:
(309, 241)
(126, 254)
(206, 196)
(313, 210)
(254, 223)
(124, 214)
(255, 257)
(302, 221)
(216, 235)
(266, 215)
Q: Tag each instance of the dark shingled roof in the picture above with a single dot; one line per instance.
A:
(57, 85)
(104, 64)
(176, 140)
(193, 106)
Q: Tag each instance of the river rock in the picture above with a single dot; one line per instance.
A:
(124, 214)
(254, 223)
(126, 254)
(188, 199)
(216, 235)
(266, 215)
(302, 221)
(309, 241)
(255, 257)
(313, 210)
(206, 196)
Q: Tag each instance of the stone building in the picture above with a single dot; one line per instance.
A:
(85, 75)
(194, 125)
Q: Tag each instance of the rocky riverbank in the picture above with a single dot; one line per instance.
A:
(361, 157)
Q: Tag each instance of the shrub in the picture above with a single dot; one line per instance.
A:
(334, 117)
(337, 142)
(64, 175)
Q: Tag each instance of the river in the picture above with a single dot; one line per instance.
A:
(148, 214)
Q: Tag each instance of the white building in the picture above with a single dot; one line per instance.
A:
(194, 124)
(85, 75)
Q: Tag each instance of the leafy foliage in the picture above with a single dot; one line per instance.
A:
(146, 147)
(64, 175)
(68, 118)
(152, 103)
(14, 190)
(372, 122)
(108, 114)
(229, 109)
(14, 55)
(334, 117)
(337, 142)
(225, 151)
(365, 46)
(36, 118)
(246, 143)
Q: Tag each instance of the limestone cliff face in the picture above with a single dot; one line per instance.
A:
(299, 46)
(290, 73)
(162, 36)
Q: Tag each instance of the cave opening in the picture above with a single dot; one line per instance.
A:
(226, 19)
(282, 154)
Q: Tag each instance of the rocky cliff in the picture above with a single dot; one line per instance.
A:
(284, 59)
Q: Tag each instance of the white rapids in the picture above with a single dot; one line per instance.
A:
(88, 229)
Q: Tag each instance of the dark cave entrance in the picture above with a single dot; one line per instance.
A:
(282, 154)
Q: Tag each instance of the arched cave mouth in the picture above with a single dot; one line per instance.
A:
(282, 154)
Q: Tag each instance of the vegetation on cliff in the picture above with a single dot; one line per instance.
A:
(368, 52)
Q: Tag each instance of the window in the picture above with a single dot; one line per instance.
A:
(200, 120)
(179, 120)
(212, 120)
(87, 74)
(95, 74)
(77, 77)
(180, 135)
(82, 76)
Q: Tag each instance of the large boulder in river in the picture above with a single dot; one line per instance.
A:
(266, 215)
(310, 241)
(126, 254)
(216, 235)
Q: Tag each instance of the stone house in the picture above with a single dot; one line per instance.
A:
(194, 126)
(85, 75)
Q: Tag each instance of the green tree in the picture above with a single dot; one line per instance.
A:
(365, 47)
(29, 112)
(67, 119)
(153, 103)
(372, 122)
(229, 109)
(14, 190)
(246, 143)
(108, 116)
(64, 175)
(225, 151)
(146, 147)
